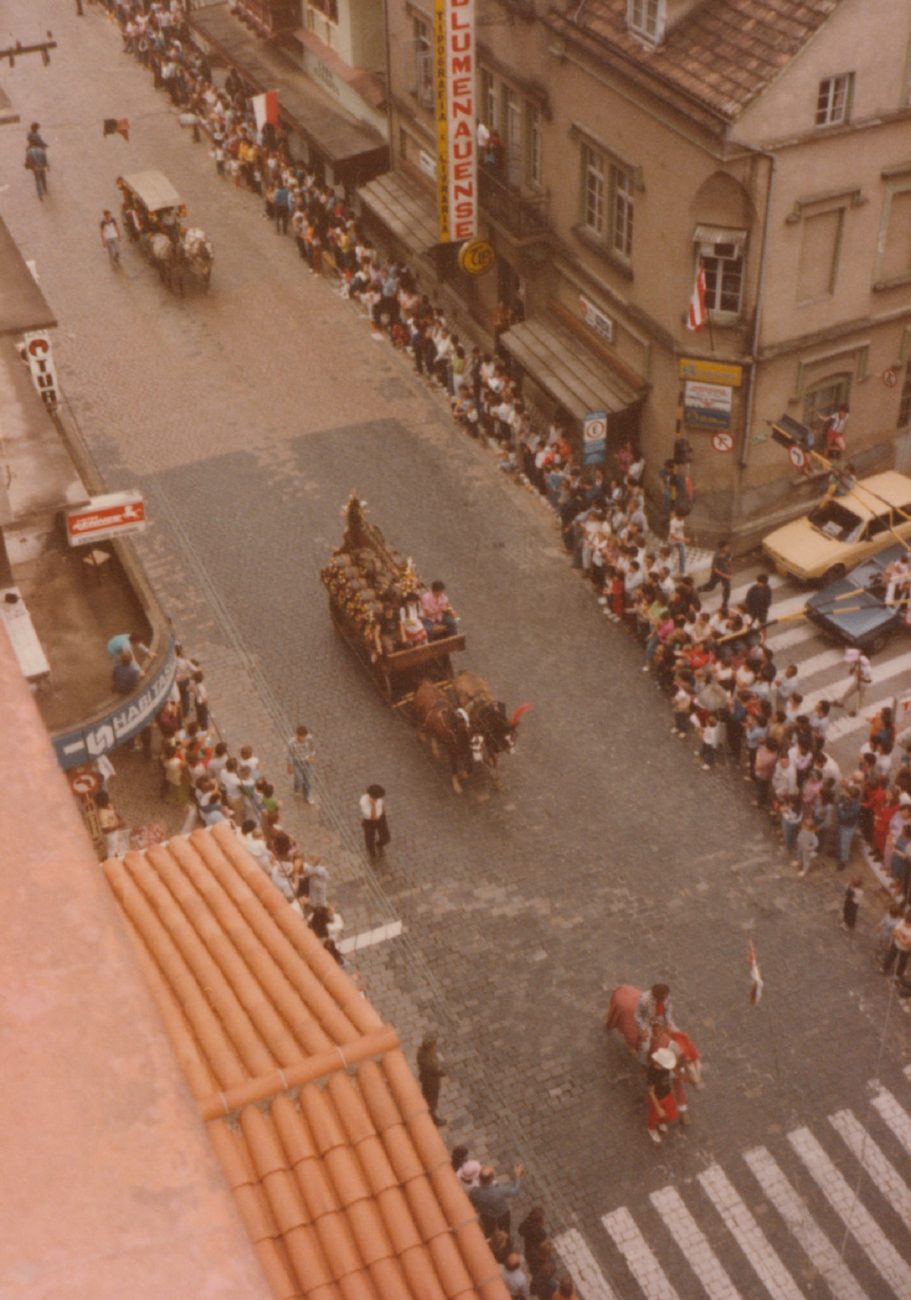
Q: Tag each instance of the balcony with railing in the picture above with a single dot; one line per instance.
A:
(522, 215)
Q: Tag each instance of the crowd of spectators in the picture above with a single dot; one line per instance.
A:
(532, 1271)
(201, 776)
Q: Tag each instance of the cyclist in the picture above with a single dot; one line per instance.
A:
(110, 236)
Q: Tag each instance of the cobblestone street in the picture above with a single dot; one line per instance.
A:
(246, 416)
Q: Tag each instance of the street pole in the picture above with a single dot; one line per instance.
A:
(79, 13)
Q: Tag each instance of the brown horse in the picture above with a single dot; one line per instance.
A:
(447, 726)
(621, 1016)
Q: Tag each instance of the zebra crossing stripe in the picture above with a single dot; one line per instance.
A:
(856, 1218)
(748, 1235)
(881, 1171)
(590, 1282)
(693, 1244)
(639, 1258)
(895, 1116)
(891, 668)
(820, 663)
(823, 1255)
(790, 636)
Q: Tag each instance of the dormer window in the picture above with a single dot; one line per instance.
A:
(646, 18)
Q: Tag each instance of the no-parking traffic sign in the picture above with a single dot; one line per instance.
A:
(722, 441)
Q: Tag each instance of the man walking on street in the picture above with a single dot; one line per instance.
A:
(860, 675)
(430, 1074)
(758, 600)
(110, 236)
(37, 163)
(722, 571)
(373, 820)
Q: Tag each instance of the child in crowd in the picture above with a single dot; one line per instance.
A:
(711, 739)
(682, 705)
(791, 819)
(853, 895)
(807, 844)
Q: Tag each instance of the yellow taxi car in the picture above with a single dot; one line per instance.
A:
(843, 530)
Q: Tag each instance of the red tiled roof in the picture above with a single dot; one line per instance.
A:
(342, 1180)
(721, 55)
(111, 1189)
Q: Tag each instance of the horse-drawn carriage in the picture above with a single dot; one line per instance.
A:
(375, 604)
(152, 211)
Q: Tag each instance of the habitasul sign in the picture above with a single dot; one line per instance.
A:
(457, 158)
(131, 716)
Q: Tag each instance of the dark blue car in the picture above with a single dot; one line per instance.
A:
(853, 610)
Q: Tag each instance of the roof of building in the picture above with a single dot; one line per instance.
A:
(110, 1188)
(340, 1175)
(720, 56)
(22, 304)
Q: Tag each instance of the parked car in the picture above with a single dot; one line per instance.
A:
(853, 609)
(843, 530)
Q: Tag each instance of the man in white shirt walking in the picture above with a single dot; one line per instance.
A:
(373, 820)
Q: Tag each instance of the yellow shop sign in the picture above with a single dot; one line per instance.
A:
(710, 372)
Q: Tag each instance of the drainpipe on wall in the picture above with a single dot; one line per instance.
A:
(388, 52)
(757, 313)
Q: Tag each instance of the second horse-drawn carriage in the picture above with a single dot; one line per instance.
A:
(152, 211)
(375, 600)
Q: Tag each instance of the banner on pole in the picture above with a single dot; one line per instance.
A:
(454, 99)
(594, 438)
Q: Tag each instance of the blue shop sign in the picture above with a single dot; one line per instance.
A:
(132, 715)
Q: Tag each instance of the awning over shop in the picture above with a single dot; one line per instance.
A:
(22, 304)
(567, 370)
(405, 207)
(338, 136)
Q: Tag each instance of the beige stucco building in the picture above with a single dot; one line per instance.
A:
(770, 141)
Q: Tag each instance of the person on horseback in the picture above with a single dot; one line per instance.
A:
(653, 1008)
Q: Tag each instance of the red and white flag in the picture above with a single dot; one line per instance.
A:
(755, 977)
(697, 315)
(265, 108)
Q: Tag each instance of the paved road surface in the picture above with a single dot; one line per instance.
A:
(246, 417)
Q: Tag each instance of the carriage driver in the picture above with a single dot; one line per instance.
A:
(438, 615)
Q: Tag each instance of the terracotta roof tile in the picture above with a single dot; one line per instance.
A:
(722, 54)
(275, 1264)
(428, 1214)
(339, 1173)
(306, 1253)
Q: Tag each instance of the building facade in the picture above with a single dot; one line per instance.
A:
(339, 44)
(634, 141)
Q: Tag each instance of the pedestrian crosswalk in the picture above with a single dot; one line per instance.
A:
(821, 668)
(822, 1210)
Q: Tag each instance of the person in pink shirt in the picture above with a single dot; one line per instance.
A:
(438, 616)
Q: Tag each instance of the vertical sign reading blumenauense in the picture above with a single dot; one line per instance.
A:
(457, 164)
